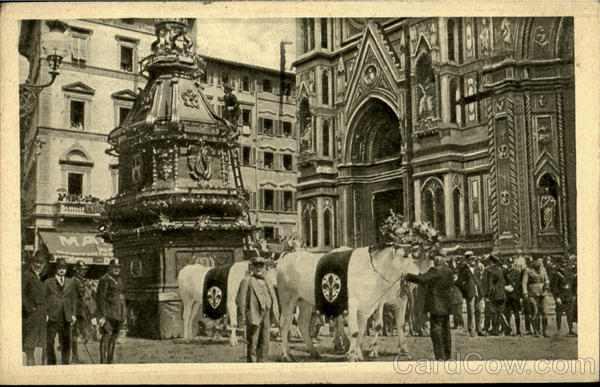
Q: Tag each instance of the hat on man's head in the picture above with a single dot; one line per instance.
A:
(38, 257)
(468, 253)
(80, 265)
(114, 263)
(61, 263)
(493, 258)
(227, 88)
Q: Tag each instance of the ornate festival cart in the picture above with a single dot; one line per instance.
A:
(181, 198)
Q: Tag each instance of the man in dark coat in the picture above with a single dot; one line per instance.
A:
(112, 314)
(231, 111)
(82, 327)
(33, 301)
(467, 283)
(562, 290)
(496, 295)
(257, 304)
(514, 294)
(438, 282)
(62, 309)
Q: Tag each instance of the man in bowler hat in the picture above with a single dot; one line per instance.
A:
(438, 282)
(257, 304)
(62, 308)
(33, 301)
(112, 314)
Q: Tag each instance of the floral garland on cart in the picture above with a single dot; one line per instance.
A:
(400, 233)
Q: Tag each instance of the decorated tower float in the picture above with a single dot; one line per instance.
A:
(180, 199)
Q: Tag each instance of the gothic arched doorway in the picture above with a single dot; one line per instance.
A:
(373, 162)
(375, 134)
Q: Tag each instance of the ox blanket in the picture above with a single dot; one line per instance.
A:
(214, 293)
(331, 283)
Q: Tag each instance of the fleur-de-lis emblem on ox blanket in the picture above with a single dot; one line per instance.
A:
(214, 296)
(331, 285)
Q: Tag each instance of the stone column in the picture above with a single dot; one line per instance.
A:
(317, 33)
(445, 98)
(449, 205)
(461, 209)
(442, 23)
(417, 185)
(319, 225)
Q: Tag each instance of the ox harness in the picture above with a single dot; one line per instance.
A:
(331, 283)
(214, 292)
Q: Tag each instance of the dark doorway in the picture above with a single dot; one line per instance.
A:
(383, 202)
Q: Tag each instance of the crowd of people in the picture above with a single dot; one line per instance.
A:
(65, 197)
(501, 296)
(509, 295)
(74, 309)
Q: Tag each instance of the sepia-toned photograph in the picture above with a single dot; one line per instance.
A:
(319, 189)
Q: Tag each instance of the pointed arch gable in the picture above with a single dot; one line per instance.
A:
(421, 47)
(373, 45)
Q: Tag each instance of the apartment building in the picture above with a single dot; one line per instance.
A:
(66, 172)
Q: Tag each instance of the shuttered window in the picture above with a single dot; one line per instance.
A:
(79, 46)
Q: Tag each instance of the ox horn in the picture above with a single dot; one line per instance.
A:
(444, 251)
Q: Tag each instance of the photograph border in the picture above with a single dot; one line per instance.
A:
(587, 92)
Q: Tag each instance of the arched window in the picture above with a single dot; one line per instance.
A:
(304, 120)
(76, 172)
(314, 223)
(456, 205)
(326, 137)
(327, 227)
(427, 205)
(451, 40)
(325, 88)
(432, 204)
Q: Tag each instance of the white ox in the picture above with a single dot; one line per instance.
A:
(374, 278)
(191, 285)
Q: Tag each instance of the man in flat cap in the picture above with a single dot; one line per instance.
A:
(62, 308)
(112, 314)
(438, 282)
(257, 304)
(33, 301)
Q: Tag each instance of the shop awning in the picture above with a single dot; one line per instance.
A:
(72, 246)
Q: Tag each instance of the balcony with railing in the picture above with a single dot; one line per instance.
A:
(79, 206)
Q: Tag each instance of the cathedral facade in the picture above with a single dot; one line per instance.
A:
(466, 122)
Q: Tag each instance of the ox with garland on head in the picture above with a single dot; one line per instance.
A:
(359, 281)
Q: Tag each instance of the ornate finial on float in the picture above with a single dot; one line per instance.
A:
(173, 45)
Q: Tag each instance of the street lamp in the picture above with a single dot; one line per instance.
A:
(55, 46)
